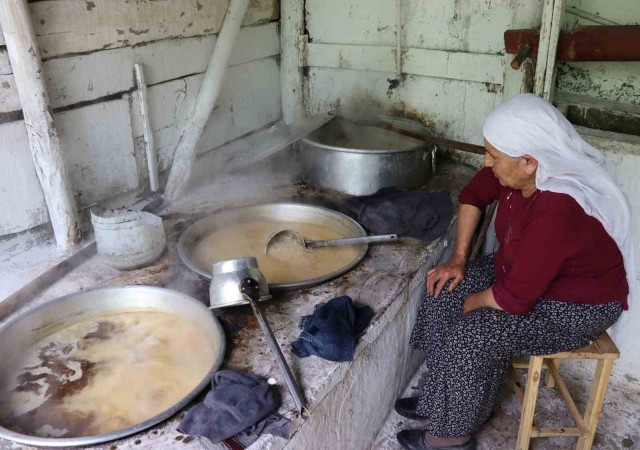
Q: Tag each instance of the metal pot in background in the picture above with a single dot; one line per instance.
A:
(358, 159)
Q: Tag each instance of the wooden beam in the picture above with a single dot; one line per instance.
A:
(548, 45)
(43, 136)
(76, 26)
(587, 43)
(5, 66)
(82, 78)
(566, 395)
(187, 146)
(465, 66)
(594, 405)
(147, 134)
(292, 54)
(555, 432)
(529, 403)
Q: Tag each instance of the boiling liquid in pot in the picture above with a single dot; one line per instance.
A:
(104, 374)
(289, 265)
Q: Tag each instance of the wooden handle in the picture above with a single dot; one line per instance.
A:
(464, 146)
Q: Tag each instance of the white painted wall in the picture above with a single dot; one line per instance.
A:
(89, 50)
(615, 81)
(623, 162)
(452, 54)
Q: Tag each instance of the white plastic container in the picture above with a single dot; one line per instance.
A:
(128, 239)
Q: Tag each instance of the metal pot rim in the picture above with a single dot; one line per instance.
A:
(106, 437)
(418, 147)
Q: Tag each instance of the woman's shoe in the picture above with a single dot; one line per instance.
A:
(414, 440)
(407, 407)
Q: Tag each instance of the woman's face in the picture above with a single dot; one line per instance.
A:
(515, 173)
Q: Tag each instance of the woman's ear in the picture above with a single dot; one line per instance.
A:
(530, 164)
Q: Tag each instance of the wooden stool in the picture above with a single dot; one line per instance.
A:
(605, 352)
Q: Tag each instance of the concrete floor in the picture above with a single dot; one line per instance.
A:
(619, 426)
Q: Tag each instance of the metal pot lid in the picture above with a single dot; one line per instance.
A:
(274, 212)
(21, 333)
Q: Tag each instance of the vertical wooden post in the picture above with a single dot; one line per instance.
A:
(292, 47)
(147, 132)
(182, 164)
(529, 405)
(548, 48)
(43, 136)
(594, 405)
(399, 39)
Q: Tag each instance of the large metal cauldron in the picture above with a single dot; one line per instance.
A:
(19, 333)
(359, 160)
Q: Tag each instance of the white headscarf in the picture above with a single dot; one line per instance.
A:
(529, 125)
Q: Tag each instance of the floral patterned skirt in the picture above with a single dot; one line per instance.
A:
(468, 354)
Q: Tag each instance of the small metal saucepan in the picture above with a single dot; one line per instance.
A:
(224, 289)
(239, 281)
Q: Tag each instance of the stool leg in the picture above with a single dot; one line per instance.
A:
(594, 406)
(550, 382)
(529, 405)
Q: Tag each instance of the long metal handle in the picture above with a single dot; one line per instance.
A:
(275, 348)
(352, 241)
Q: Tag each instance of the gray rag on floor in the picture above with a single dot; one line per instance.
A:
(238, 403)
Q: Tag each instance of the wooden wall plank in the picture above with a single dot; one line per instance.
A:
(72, 26)
(247, 102)
(358, 57)
(5, 65)
(87, 77)
(9, 100)
(469, 26)
(97, 144)
(480, 67)
(431, 63)
(21, 198)
(98, 140)
(293, 45)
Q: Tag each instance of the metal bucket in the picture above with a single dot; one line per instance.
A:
(128, 240)
(359, 160)
(21, 332)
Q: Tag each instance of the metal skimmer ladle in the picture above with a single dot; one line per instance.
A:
(290, 239)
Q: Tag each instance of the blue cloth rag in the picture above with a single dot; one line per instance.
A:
(331, 331)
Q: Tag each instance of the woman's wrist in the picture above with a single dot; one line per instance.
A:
(460, 258)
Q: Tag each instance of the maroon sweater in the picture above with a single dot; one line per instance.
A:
(549, 248)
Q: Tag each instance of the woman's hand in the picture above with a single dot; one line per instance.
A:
(455, 269)
(482, 299)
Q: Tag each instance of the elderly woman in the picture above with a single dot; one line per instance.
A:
(558, 280)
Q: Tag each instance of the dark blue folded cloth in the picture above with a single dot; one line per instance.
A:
(416, 214)
(238, 402)
(331, 331)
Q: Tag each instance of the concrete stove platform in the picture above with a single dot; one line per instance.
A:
(349, 402)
